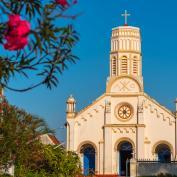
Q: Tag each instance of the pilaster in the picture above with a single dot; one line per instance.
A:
(107, 159)
(140, 132)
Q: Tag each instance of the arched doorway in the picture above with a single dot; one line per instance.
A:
(89, 157)
(163, 153)
(125, 150)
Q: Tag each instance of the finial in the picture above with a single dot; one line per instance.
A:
(125, 15)
(71, 99)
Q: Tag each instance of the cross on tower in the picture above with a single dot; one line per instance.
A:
(126, 17)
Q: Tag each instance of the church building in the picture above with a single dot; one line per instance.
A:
(124, 122)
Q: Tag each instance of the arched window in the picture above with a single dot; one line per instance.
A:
(163, 152)
(114, 66)
(135, 65)
(124, 65)
(88, 152)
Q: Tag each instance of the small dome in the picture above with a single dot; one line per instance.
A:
(71, 99)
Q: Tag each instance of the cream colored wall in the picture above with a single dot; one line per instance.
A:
(160, 126)
(89, 124)
(88, 129)
(115, 101)
(155, 124)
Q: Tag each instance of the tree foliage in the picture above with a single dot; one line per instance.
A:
(20, 146)
(20, 133)
(50, 45)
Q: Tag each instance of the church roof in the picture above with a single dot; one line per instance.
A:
(140, 94)
(90, 105)
(158, 104)
(49, 139)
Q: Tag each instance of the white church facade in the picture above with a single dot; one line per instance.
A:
(124, 122)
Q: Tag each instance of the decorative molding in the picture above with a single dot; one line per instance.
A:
(90, 115)
(125, 125)
(114, 79)
(89, 106)
(141, 108)
(147, 141)
(84, 119)
(78, 123)
(133, 131)
(114, 130)
(123, 130)
(96, 110)
(108, 107)
(124, 94)
(159, 105)
(126, 130)
(148, 103)
(102, 106)
(125, 51)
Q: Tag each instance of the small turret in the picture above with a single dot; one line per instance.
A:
(70, 107)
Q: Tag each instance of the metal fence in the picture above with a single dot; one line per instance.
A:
(147, 167)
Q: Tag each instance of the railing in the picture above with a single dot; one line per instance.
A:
(154, 161)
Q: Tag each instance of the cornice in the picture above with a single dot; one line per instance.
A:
(125, 51)
(128, 94)
(125, 125)
(126, 36)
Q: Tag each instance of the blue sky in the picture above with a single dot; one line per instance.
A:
(86, 80)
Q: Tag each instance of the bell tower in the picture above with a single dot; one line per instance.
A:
(125, 54)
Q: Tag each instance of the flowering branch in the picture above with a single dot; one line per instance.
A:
(41, 48)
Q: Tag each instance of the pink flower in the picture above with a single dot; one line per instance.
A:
(16, 43)
(13, 20)
(17, 34)
(62, 2)
(22, 29)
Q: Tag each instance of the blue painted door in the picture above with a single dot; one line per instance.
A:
(89, 161)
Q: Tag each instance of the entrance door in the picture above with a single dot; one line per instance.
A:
(125, 150)
(89, 159)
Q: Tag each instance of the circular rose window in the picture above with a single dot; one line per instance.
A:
(124, 111)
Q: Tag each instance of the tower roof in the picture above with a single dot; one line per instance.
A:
(126, 27)
(71, 99)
